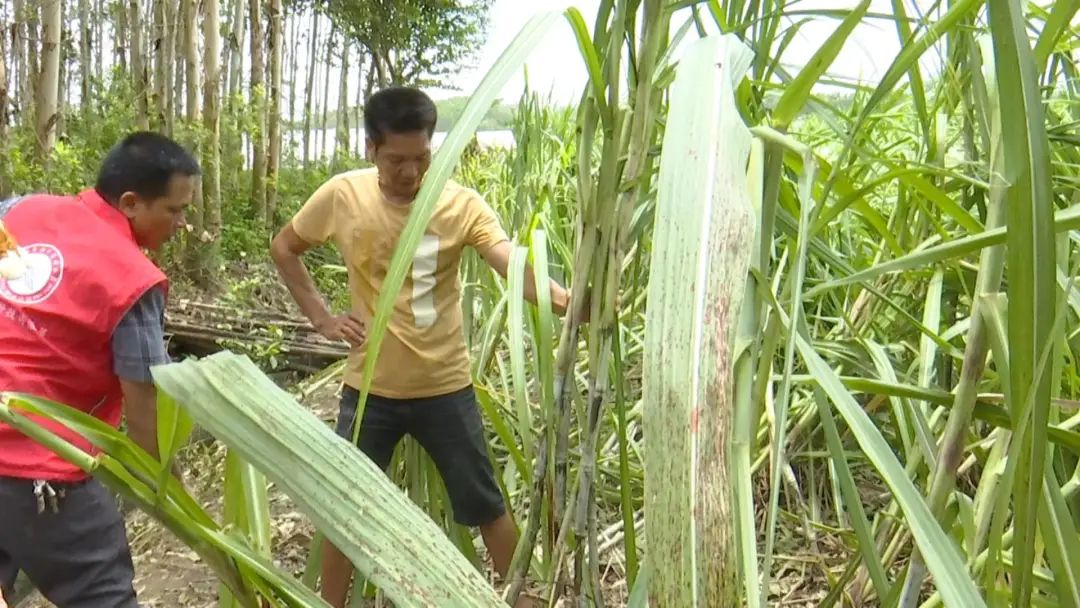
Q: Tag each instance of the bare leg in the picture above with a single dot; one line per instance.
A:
(500, 537)
(336, 575)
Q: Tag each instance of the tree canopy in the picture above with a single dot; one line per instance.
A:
(414, 42)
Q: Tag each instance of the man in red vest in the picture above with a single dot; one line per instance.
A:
(81, 324)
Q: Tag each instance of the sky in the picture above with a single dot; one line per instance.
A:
(556, 66)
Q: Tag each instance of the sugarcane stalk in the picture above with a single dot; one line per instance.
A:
(951, 447)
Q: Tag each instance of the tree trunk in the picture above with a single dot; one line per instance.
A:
(191, 78)
(292, 44)
(32, 10)
(211, 179)
(314, 33)
(98, 19)
(138, 65)
(157, 49)
(179, 73)
(63, 87)
(341, 126)
(236, 43)
(373, 77)
(359, 109)
(326, 90)
(47, 109)
(274, 115)
(18, 50)
(85, 62)
(168, 65)
(120, 36)
(258, 102)
(191, 59)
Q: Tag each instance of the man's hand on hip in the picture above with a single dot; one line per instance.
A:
(343, 328)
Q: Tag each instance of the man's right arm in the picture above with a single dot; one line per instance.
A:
(285, 250)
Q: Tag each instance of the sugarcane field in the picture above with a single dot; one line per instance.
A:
(588, 303)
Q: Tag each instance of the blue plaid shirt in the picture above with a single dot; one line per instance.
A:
(138, 342)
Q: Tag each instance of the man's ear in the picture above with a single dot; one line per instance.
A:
(369, 150)
(127, 203)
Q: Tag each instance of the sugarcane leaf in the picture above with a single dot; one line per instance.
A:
(941, 554)
(1031, 261)
(386, 536)
(798, 90)
(700, 258)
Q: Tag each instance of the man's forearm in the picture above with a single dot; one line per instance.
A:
(143, 431)
(560, 297)
(140, 414)
(300, 284)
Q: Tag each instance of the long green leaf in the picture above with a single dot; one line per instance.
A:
(1031, 262)
(387, 537)
(1064, 221)
(518, 353)
(798, 90)
(592, 61)
(701, 250)
(1057, 25)
(941, 555)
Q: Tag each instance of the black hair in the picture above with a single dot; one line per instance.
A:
(399, 110)
(143, 163)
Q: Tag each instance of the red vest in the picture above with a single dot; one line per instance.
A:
(56, 321)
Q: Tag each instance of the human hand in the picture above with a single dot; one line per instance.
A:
(343, 328)
(586, 307)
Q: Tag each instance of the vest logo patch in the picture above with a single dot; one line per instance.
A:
(43, 269)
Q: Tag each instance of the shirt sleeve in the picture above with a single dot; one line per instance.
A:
(315, 221)
(483, 229)
(138, 342)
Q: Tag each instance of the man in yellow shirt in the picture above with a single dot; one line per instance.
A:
(422, 383)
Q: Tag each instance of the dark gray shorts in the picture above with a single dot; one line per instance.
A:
(449, 428)
(77, 557)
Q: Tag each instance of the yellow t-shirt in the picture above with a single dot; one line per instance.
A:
(423, 353)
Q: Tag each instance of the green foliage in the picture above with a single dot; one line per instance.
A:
(417, 42)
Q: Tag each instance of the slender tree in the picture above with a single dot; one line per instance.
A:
(32, 38)
(49, 89)
(341, 125)
(191, 63)
(138, 64)
(99, 35)
(292, 45)
(211, 178)
(313, 32)
(359, 107)
(62, 85)
(180, 73)
(191, 59)
(326, 90)
(168, 64)
(258, 95)
(121, 35)
(85, 37)
(236, 43)
(156, 54)
(274, 113)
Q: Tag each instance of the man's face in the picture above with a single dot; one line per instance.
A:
(155, 221)
(402, 160)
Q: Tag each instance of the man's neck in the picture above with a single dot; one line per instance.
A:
(397, 199)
